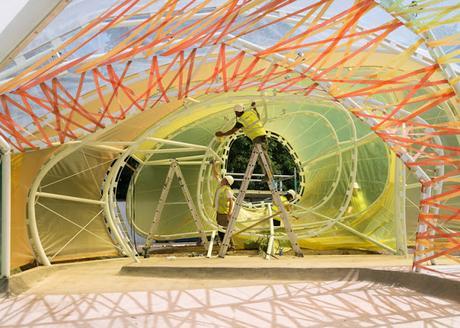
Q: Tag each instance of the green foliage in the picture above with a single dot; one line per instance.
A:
(281, 160)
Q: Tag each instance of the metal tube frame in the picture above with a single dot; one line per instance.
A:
(5, 258)
(347, 103)
(62, 153)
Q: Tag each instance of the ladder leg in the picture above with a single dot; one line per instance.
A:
(271, 239)
(159, 210)
(239, 202)
(276, 198)
(191, 205)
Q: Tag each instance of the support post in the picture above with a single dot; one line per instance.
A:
(211, 244)
(271, 239)
(6, 210)
(421, 229)
(400, 208)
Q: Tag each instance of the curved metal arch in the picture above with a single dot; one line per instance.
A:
(346, 201)
(110, 183)
(308, 113)
(200, 178)
(62, 153)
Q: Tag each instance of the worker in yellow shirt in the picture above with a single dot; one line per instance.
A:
(249, 121)
(358, 202)
(223, 200)
(287, 200)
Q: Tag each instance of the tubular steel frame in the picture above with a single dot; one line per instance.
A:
(292, 70)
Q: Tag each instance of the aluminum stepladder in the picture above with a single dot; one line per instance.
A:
(174, 170)
(256, 153)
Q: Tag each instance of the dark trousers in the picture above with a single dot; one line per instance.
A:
(221, 236)
(222, 220)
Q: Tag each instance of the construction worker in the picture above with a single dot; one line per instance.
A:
(223, 200)
(249, 122)
(358, 202)
(287, 203)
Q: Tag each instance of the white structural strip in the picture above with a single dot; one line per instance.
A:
(31, 19)
(70, 198)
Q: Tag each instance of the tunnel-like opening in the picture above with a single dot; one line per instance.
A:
(330, 148)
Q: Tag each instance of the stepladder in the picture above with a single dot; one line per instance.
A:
(259, 154)
(174, 171)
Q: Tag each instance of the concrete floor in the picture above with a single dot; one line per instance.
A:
(95, 294)
(310, 261)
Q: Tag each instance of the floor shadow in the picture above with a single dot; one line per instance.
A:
(312, 304)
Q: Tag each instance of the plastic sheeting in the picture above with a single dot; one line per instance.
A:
(322, 137)
(24, 169)
(71, 229)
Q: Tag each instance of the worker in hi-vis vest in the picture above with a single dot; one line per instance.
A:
(287, 203)
(223, 200)
(249, 121)
(358, 202)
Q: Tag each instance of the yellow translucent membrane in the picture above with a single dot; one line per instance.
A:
(329, 145)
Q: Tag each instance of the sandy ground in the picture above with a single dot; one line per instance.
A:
(94, 294)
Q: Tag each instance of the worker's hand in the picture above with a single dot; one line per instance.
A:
(219, 134)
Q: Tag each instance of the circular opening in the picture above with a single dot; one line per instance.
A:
(285, 165)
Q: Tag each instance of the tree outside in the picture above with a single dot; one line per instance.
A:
(282, 162)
